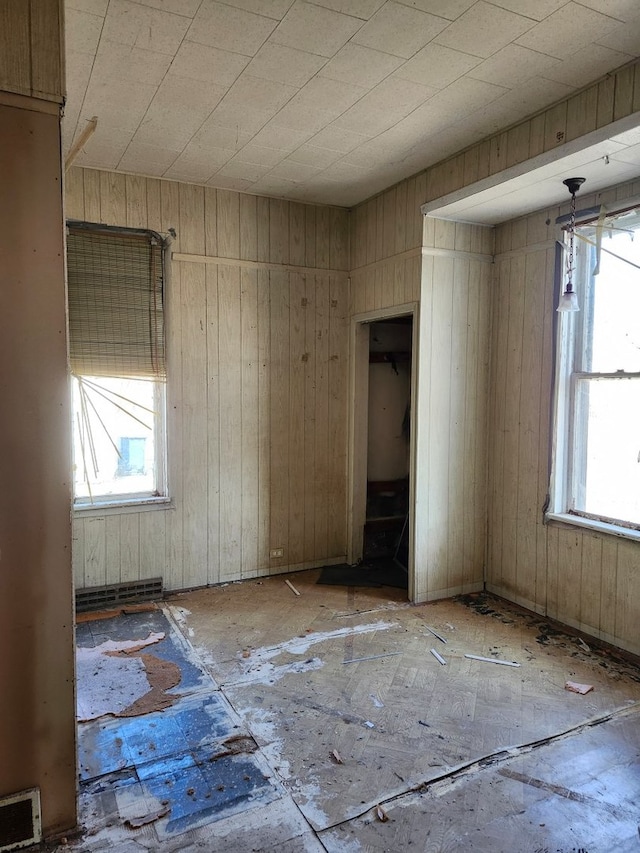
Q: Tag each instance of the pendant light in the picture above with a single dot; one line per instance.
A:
(569, 298)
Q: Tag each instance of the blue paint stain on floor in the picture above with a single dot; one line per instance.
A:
(193, 758)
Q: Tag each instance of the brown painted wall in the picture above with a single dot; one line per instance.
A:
(37, 729)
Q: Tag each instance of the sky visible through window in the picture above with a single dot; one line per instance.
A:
(612, 487)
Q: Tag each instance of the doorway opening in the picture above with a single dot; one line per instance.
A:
(382, 442)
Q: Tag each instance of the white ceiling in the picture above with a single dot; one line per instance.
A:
(327, 101)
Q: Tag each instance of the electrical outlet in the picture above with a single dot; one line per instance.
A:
(276, 552)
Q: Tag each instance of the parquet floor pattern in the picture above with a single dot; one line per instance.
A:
(399, 718)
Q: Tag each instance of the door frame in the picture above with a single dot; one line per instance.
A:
(359, 428)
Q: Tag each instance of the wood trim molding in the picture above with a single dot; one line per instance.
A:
(255, 265)
(428, 251)
(402, 256)
(26, 102)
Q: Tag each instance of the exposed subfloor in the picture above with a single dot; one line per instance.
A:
(323, 722)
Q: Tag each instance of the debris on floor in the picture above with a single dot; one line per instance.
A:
(291, 586)
(574, 687)
(492, 660)
(245, 758)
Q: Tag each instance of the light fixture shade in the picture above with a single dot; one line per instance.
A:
(568, 301)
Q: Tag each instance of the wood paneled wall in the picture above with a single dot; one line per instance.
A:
(587, 580)
(257, 384)
(32, 48)
(609, 99)
(446, 267)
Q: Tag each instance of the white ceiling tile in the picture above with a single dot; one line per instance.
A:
(187, 8)
(147, 159)
(94, 7)
(260, 155)
(484, 29)
(513, 65)
(304, 118)
(450, 9)
(245, 171)
(181, 93)
(580, 69)
(628, 155)
(214, 134)
(82, 31)
(276, 9)
(285, 64)
(567, 30)
(462, 97)
(315, 29)
(369, 155)
(343, 171)
(281, 138)
(360, 65)
(144, 27)
(293, 171)
(311, 155)
(399, 30)
(222, 183)
(437, 66)
(623, 37)
(338, 139)
(108, 144)
(388, 103)
(274, 187)
(124, 62)
(358, 8)
(208, 64)
(628, 137)
(117, 107)
(518, 103)
(222, 26)
(538, 10)
(177, 112)
(239, 119)
(78, 67)
(328, 96)
(198, 164)
(256, 93)
(623, 10)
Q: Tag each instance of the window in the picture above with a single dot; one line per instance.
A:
(596, 476)
(116, 343)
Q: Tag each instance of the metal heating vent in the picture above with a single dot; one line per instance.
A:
(20, 824)
(103, 597)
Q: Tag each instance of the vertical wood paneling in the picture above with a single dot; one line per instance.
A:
(310, 496)
(297, 316)
(322, 448)
(279, 414)
(440, 433)
(338, 413)
(579, 577)
(230, 413)
(250, 425)
(264, 415)
(170, 218)
(193, 316)
(213, 426)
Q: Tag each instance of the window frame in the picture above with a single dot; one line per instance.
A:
(116, 503)
(568, 340)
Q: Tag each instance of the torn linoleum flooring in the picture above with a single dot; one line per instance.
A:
(470, 755)
(158, 746)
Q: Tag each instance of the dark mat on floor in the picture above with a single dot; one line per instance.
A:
(373, 574)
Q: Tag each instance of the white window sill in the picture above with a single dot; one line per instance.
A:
(122, 506)
(591, 524)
